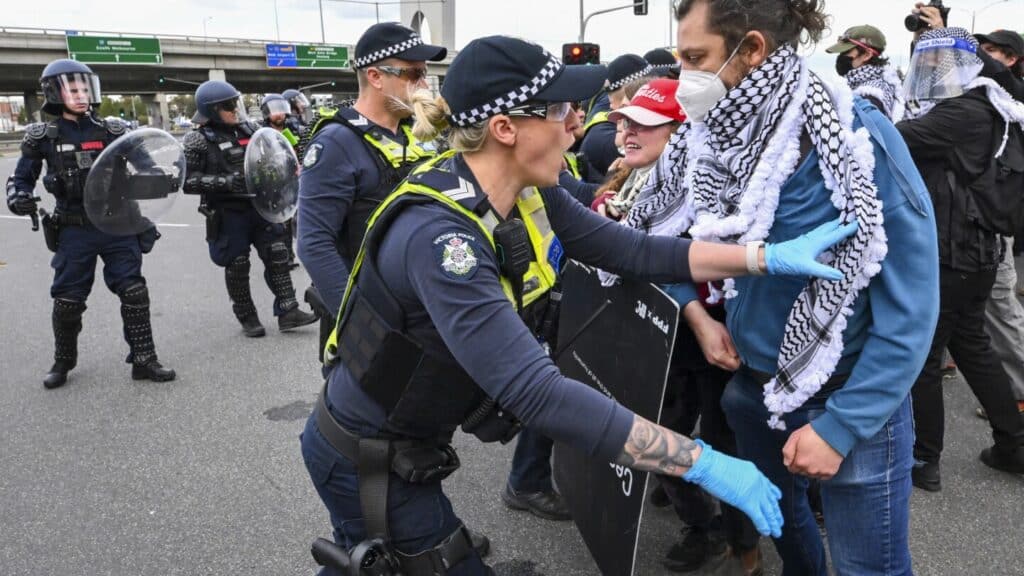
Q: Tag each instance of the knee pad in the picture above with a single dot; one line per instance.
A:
(278, 253)
(238, 268)
(68, 309)
(135, 295)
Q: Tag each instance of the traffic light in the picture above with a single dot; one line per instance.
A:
(122, 112)
(581, 53)
(640, 7)
(160, 79)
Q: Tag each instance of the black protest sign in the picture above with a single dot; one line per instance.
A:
(624, 352)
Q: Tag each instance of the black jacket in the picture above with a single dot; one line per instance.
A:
(952, 147)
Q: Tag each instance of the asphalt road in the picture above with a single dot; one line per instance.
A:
(203, 476)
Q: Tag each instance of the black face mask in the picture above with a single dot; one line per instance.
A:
(844, 63)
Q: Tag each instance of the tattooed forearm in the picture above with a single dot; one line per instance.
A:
(653, 448)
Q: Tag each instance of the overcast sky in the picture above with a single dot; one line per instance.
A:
(548, 22)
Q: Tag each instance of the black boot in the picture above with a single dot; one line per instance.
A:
(67, 323)
(236, 276)
(138, 332)
(279, 280)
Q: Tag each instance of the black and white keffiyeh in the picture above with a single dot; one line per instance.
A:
(720, 181)
(881, 83)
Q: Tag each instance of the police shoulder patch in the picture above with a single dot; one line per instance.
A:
(312, 155)
(458, 254)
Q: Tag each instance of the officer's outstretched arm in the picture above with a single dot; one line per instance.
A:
(597, 241)
(653, 448)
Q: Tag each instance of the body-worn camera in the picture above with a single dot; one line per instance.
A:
(914, 22)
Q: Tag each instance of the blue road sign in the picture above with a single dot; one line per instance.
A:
(281, 56)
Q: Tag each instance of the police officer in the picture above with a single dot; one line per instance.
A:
(664, 63)
(598, 146)
(215, 153)
(301, 112)
(433, 330)
(353, 157)
(276, 111)
(69, 144)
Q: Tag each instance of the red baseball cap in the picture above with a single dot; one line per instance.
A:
(653, 105)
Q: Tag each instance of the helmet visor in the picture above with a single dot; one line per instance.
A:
(275, 107)
(72, 89)
(941, 68)
(231, 111)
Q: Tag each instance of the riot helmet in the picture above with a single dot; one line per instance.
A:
(215, 97)
(299, 104)
(274, 109)
(69, 85)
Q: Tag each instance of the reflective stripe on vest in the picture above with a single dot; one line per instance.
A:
(601, 116)
(538, 279)
(574, 165)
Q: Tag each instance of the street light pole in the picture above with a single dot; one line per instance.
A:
(323, 37)
(277, 23)
(205, 20)
(974, 13)
(583, 25)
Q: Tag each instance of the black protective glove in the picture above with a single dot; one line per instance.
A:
(22, 203)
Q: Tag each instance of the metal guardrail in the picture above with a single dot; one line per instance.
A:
(187, 37)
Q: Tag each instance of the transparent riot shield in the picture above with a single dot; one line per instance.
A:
(272, 175)
(134, 182)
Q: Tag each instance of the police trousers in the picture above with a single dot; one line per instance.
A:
(74, 263)
(420, 516)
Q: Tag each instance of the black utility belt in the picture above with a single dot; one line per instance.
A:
(413, 460)
(65, 219)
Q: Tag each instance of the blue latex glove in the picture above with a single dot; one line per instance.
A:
(739, 484)
(796, 257)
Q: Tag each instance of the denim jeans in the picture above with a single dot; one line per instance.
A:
(531, 463)
(866, 504)
(420, 516)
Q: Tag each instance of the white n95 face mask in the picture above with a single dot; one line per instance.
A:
(699, 91)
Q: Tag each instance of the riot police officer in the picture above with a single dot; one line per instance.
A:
(433, 330)
(301, 111)
(353, 157)
(215, 154)
(69, 144)
(276, 110)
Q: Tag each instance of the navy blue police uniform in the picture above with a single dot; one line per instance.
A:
(69, 148)
(215, 157)
(350, 164)
(413, 357)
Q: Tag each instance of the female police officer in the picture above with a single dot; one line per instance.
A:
(429, 330)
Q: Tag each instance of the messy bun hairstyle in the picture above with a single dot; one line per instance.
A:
(431, 113)
(782, 22)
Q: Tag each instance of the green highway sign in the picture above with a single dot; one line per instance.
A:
(114, 50)
(300, 56)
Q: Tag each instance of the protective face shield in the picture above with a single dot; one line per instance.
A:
(230, 112)
(275, 108)
(301, 107)
(941, 68)
(72, 90)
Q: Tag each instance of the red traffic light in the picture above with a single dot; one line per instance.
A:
(581, 53)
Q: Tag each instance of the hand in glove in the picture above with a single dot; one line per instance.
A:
(797, 257)
(739, 484)
(22, 203)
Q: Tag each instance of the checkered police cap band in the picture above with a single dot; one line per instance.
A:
(613, 86)
(514, 98)
(372, 57)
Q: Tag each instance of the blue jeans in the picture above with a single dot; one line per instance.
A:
(420, 516)
(531, 463)
(866, 504)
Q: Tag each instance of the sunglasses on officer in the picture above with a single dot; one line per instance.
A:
(228, 105)
(551, 111)
(410, 73)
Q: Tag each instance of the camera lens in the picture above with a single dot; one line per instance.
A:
(913, 23)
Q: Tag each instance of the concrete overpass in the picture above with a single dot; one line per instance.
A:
(242, 61)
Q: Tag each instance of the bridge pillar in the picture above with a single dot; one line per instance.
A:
(33, 107)
(216, 74)
(437, 18)
(156, 109)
